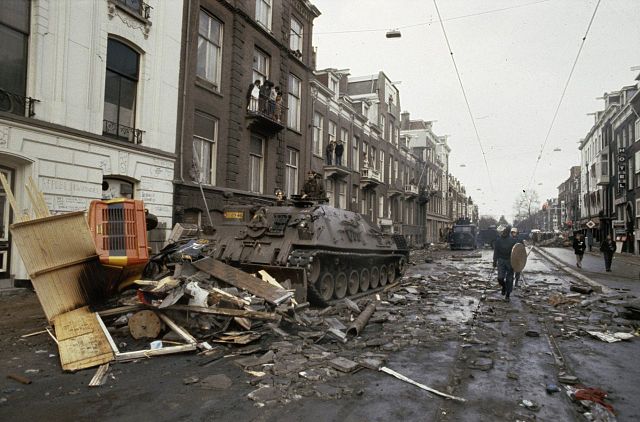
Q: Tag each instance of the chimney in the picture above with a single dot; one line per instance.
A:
(404, 120)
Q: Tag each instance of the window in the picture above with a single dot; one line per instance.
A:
(260, 66)
(355, 157)
(637, 129)
(296, 35)
(14, 38)
(291, 172)
(120, 92)
(205, 137)
(294, 103)
(329, 190)
(333, 85)
(381, 168)
(263, 13)
(381, 207)
(382, 123)
(395, 167)
(318, 128)
(209, 49)
(332, 131)
(341, 186)
(344, 137)
(116, 188)
(256, 165)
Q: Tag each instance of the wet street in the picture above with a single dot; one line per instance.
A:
(444, 325)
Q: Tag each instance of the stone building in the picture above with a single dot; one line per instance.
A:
(569, 199)
(235, 146)
(88, 98)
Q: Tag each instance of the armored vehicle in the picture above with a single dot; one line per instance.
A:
(320, 251)
(463, 235)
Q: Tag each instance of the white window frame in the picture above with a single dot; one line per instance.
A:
(296, 35)
(256, 186)
(291, 172)
(318, 133)
(382, 125)
(261, 65)
(344, 137)
(355, 158)
(382, 169)
(329, 187)
(332, 130)
(294, 102)
(264, 12)
(213, 51)
(381, 206)
(206, 176)
(341, 195)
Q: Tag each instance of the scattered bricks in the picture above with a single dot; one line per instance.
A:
(343, 364)
(567, 379)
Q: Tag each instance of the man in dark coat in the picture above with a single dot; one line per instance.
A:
(502, 260)
(608, 247)
(339, 150)
(579, 246)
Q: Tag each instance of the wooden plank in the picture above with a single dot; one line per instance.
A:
(39, 198)
(17, 215)
(267, 277)
(119, 310)
(125, 356)
(242, 280)
(100, 376)
(178, 329)
(243, 313)
(81, 341)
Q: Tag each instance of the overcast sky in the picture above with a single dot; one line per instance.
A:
(514, 64)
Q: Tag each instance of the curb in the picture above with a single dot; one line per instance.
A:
(598, 287)
(12, 291)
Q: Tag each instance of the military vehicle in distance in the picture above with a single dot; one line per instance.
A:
(322, 252)
(463, 235)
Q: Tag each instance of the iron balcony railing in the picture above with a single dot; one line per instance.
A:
(118, 131)
(371, 173)
(17, 104)
(413, 189)
(270, 109)
(138, 7)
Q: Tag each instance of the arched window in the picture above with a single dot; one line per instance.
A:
(120, 90)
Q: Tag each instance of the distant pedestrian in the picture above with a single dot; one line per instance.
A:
(579, 246)
(502, 260)
(608, 247)
(514, 235)
(590, 240)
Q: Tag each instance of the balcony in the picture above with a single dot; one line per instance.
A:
(370, 177)
(602, 179)
(17, 104)
(138, 8)
(411, 190)
(122, 132)
(336, 171)
(265, 115)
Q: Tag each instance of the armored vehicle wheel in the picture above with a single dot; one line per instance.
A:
(364, 280)
(325, 286)
(400, 267)
(391, 273)
(340, 290)
(375, 278)
(383, 275)
(354, 282)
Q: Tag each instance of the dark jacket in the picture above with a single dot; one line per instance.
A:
(339, 150)
(579, 246)
(502, 248)
(608, 246)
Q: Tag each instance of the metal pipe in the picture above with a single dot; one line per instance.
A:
(358, 325)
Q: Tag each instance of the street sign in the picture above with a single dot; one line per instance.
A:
(590, 224)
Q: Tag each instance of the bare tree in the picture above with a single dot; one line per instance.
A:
(526, 205)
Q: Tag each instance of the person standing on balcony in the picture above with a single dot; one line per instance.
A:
(608, 247)
(339, 149)
(329, 150)
(278, 104)
(579, 246)
(271, 107)
(264, 96)
(253, 93)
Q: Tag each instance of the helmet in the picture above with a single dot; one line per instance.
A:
(514, 230)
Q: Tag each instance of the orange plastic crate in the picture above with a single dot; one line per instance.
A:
(119, 231)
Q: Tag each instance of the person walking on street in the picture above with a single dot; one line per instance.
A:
(579, 246)
(608, 247)
(590, 240)
(502, 260)
(514, 235)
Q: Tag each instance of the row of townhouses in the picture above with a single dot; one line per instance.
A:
(156, 101)
(602, 194)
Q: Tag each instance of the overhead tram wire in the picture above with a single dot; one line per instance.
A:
(486, 12)
(464, 94)
(564, 91)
